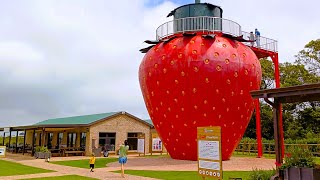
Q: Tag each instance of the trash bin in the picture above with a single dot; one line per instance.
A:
(97, 152)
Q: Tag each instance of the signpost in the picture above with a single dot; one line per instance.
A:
(141, 144)
(209, 152)
(2, 151)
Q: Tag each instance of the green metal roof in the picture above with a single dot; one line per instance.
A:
(86, 119)
(148, 121)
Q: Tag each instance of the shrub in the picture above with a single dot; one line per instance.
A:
(298, 157)
(258, 174)
(41, 149)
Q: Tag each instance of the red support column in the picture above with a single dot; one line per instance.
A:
(275, 60)
(258, 128)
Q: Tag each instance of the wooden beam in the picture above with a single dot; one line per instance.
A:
(32, 147)
(277, 135)
(4, 137)
(17, 134)
(24, 141)
(9, 137)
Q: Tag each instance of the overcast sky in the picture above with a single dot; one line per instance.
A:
(76, 57)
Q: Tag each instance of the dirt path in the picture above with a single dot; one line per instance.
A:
(137, 163)
(168, 164)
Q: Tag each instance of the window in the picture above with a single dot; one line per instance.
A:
(133, 141)
(107, 140)
(49, 142)
(83, 137)
(71, 141)
(59, 139)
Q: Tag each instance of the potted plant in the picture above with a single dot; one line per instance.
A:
(42, 152)
(299, 164)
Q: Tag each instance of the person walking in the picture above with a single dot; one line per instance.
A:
(123, 155)
(257, 33)
(91, 162)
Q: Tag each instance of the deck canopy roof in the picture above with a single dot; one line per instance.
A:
(302, 93)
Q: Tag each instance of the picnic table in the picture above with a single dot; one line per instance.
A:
(71, 150)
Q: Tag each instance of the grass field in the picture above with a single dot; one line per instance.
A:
(184, 175)
(84, 163)
(8, 168)
(67, 177)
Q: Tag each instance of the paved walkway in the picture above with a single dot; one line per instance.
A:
(136, 163)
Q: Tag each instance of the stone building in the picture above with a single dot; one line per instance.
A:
(84, 134)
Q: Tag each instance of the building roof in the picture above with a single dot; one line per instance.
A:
(149, 121)
(85, 120)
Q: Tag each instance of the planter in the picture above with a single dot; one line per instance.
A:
(42, 155)
(294, 173)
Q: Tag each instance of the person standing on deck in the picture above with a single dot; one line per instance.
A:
(257, 33)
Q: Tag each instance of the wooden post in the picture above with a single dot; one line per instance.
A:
(9, 138)
(277, 135)
(24, 141)
(32, 146)
(17, 134)
(4, 137)
(43, 138)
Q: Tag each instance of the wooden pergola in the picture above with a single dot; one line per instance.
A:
(303, 93)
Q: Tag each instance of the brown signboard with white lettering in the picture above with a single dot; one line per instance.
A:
(209, 152)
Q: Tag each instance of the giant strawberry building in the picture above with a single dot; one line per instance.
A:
(199, 72)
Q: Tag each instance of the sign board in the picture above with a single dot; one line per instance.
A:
(6, 130)
(141, 144)
(2, 151)
(209, 152)
(156, 143)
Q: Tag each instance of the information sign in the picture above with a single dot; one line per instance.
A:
(209, 152)
(2, 151)
(141, 144)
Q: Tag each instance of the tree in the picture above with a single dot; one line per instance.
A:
(267, 81)
(300, 120)
(310, 56)
(296, 74)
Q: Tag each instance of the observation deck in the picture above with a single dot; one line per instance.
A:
(216, 25)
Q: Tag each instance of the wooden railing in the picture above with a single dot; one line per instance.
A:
(269, 148)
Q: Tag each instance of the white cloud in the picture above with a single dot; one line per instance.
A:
(64, 58)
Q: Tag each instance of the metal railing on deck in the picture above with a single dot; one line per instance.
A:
(203, 24)
(261, 42)
(207, 24)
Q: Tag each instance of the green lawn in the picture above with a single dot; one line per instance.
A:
(84, 163)
(68, 177)
(8, 168)
(185, 175)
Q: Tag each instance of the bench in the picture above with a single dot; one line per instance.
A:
(74, 152)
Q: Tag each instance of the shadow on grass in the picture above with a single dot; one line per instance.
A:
(84, 163)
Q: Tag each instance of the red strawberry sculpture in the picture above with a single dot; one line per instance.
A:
(197, 81)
